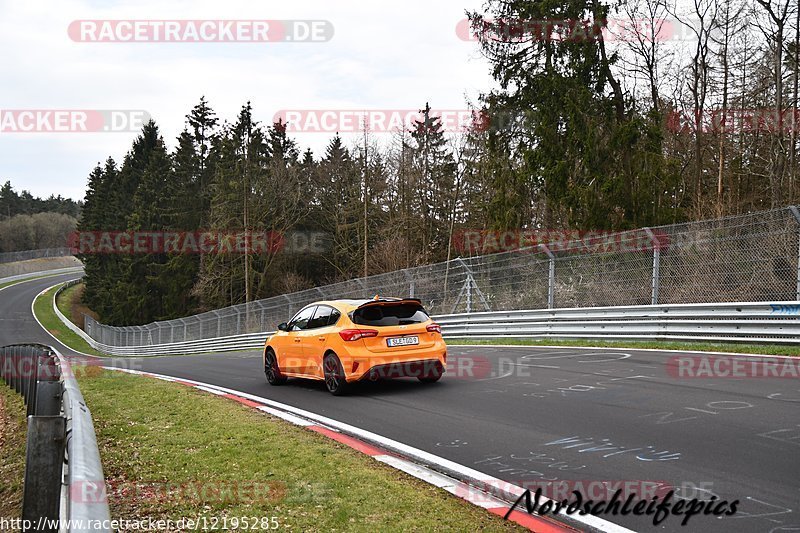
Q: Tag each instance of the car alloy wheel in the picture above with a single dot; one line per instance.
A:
(334, 375)
(271, 369)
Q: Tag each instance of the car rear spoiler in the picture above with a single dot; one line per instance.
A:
(390, 301)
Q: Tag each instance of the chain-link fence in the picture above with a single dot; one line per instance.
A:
(25, 255)
(735, 259)
(45, 263)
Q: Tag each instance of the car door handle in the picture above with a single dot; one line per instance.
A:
(321, 338)
(297, 340)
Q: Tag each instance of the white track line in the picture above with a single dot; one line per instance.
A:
(701, 352)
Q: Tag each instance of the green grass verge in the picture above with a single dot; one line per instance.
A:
(66, 300)
(43, 309)
(657, 345)
(152, 432)
(12, 451)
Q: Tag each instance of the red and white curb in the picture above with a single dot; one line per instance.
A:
(466, 483)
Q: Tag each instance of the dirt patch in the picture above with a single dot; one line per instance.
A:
(77, 309)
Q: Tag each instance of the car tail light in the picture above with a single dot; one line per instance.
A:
(354, 334)
(434, 328)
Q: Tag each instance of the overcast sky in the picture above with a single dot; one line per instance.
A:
(382, 56)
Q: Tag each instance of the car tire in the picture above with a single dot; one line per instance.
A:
(334, 374)
(271, 370)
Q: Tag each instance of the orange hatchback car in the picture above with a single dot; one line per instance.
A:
(344, 341)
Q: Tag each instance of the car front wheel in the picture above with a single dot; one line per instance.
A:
(271, 370)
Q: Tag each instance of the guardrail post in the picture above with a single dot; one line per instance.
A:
(656, 275)
(18, 370)
(551, 276)
(5, 366)
(8, 367)
(793, 209)
(44, 458)
(12, 367)
(48, 389)
(16, 374)
(29, 375)
(23, 369)
(33, 376)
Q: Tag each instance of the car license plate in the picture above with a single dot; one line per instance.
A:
(402, 341)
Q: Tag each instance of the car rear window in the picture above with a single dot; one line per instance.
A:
(390, 315)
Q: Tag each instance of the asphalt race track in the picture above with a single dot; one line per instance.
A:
(532, 415)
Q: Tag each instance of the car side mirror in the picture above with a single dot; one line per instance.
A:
(283, 326)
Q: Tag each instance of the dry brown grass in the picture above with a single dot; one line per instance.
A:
(12, 452)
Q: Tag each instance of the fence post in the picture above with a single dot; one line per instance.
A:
(411, 286)
(467, 287)
(793, 209)
(551, 276)
(656, 276)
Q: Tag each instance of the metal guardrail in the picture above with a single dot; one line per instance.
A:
(747, 322)
(41, 273)
(745, 258)
(62, 459)
(750, 322)
(221, 344)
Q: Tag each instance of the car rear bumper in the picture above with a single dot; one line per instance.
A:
(404, 369)
(362, 364)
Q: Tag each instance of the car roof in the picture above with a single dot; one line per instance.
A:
(350, 304)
